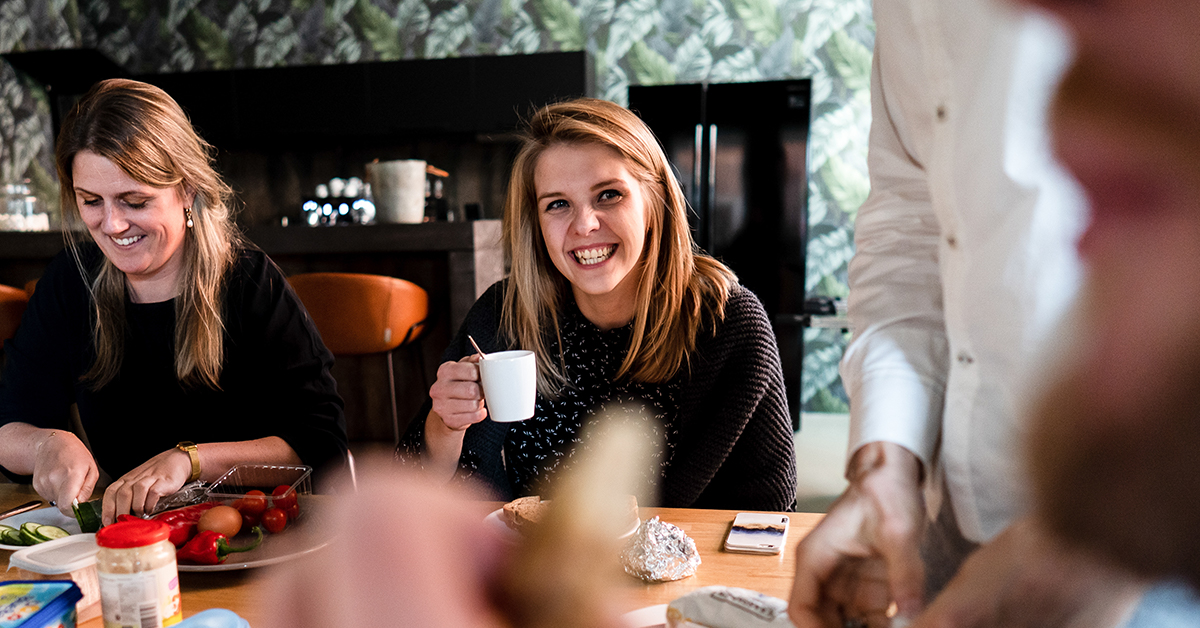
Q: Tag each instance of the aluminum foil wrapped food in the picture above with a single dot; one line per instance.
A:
(660, 552)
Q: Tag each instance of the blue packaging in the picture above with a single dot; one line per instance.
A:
(38, 603)
(214, 618)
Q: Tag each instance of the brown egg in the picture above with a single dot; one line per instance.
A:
(222, 520)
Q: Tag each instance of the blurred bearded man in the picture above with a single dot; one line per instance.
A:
(1116, 449)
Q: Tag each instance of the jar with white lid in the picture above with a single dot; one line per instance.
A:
(139, 580)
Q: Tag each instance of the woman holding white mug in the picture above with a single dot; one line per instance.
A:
(617, 303)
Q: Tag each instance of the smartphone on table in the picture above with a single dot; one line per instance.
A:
(757, 533)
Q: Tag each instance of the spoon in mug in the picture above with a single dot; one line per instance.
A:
(482, 355)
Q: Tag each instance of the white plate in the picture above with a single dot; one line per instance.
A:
(299, 538)
(292, 543)
(495, 521)
(47, 516)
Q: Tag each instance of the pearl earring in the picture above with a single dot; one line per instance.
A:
(187, 212)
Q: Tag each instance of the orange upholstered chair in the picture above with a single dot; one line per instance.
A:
(12, 306)
(361, 314)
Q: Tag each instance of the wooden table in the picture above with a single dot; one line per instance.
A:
(239, 590)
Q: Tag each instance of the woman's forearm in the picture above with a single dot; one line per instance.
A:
(217, 458)
(19, 444)
(443, 447)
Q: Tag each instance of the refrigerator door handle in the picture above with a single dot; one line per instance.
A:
(712, 178)
(697, 167)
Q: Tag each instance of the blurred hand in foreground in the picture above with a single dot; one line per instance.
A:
(865, 554)
(402, 552)
(1025, 578)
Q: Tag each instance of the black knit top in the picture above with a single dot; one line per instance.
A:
(275, 380)
(727, 432)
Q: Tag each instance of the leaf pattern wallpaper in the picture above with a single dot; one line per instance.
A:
(631, 41)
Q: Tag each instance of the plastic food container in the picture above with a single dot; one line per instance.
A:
(139, 581)
(38, 604)
(69, 558)
(262, 477)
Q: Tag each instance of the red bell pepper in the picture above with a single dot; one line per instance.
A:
(183, 521)
(211, 548)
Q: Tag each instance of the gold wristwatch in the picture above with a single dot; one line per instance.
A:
(189, 448)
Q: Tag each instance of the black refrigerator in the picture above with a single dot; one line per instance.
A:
(741, 153)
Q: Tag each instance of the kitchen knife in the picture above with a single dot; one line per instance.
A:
(26, 507)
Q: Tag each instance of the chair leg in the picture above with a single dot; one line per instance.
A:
(392, 390)
(420, 358)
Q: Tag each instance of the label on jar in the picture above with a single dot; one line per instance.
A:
(149, 599)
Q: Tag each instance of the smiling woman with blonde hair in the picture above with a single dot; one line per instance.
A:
(629, 322)
(183, 347)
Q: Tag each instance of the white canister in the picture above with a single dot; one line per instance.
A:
(398, 190)
(139, 581)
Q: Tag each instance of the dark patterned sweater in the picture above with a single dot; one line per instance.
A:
(725, 419)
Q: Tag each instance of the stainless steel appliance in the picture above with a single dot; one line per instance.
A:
(740, 150)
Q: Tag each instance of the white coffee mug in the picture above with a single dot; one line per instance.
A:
(509, 385)
(398, 190)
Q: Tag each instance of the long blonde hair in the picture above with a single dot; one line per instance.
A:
(680, 290)
(145, 133)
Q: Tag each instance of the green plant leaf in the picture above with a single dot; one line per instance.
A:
(761, 18)
(828, 135)
(526, 37)
(346, 48)
(649, 67)
(593, 14)
(820, 364)
(632, 21)
(136, 9)
(740, 66)
(447, 32)
(337, 10)
(616, 85)
(692, 61)
(210, 41)
(828, 252)
(824, 19)
(275, 41)
(380, 31)
(847, 185)
(561, 22)
(717, 27)
(14, 24)
(177, 11)
(412, 21)
(851, 60)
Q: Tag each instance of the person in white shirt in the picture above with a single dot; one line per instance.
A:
(965, 269)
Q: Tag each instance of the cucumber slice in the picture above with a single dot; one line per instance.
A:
(49, 533)
(88, 515)
(11, 536)
(29, 533)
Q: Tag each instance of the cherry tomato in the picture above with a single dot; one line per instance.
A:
(293, 511)
(254, 503)
(281, 502)
(249, 520)
(274, 520)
